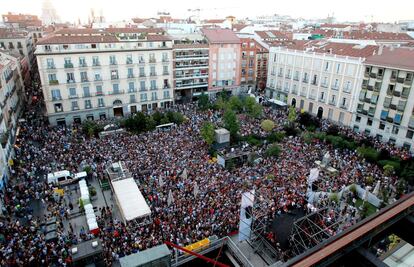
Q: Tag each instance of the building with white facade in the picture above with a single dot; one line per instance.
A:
(92, 74)
(18, 41)
(322, 78)
(385, 106)
(11, 102)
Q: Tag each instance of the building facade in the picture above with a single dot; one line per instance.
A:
(21, 20)
(320, 82)
(11, 103)
(190, 67)
(248, 62)
(385, 107)
(224, 59)
(96, 74)
(262, 59)
(20, 42)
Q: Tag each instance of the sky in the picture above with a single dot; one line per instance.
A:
(116, 10)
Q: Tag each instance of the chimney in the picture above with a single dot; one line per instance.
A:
(380, 50)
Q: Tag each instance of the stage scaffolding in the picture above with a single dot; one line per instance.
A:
(261, 215)
(315, 228)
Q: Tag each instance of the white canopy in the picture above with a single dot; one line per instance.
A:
(130, 200)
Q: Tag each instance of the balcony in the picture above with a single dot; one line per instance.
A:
(408, 82)
(96, 64)
(113, 63)
(280, 74)
(142, 89)
(165, 73)
(84, 80)
(152, 60)
(70, 81)
(68, 65)
(167, 86)
(305, 80)
(344, 106)
(324, 85)
(100, 93)
(141, 62)
(53, 82)
(153, 74)
(56, 98)
(87, 95)
(393, 106)
(366, 74)
(296, 78)
(335, 87)
(129, 62)
(370, 88)
(117, 92)
(130, 76)
(395, 93)
(98, 79)
(114, 77)
(288, 76)
(373, 75)
(72, 96)
(142, 75)
(165, 60)
(153, 88)
(132, 90)
(83, 65)
(400, 80)
(51, 66)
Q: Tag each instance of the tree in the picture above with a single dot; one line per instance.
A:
(231, 122)
(273, 151)
(137, 123)
(267, 125)
(207, 132)
(256, 111)
(203, 103)
(158, 116)
(388, 170)
(292, 115)
(221, 104)
(235, 104)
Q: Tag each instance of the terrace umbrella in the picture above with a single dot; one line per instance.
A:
(195, 190)
(170, 199)
(377, 188)
(160, 181)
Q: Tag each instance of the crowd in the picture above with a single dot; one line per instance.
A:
(149, 156)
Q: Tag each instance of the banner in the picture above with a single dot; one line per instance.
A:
(246, 210)
(313, 176)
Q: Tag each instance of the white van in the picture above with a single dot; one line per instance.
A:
(64, 177)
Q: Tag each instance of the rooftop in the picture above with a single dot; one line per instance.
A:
(272, 34)
(398, 58)
(221, 36)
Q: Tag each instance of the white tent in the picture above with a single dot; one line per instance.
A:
(130, 200)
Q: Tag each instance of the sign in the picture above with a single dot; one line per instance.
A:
(11, 162)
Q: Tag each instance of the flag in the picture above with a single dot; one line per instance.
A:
(160, 181)
(184, 174)
(170, 199)
(313, 176)
(195, 189)
(246, 212)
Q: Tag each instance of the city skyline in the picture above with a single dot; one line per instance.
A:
(367, 11)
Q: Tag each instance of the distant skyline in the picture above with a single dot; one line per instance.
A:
(347, 10)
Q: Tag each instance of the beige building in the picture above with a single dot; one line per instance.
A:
(92, 74)
(321, 78)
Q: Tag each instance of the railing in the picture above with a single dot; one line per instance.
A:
(130, 76)
(87, 95)
(53, 82)
(99, 93)
(129, 62)
(68, 65)
(72, 96)
(56, 98)
(152, 60)
(153, 74)
(70, 81)
(113, 63)
(96, 64)
(114, 77)
(51, 66)
(165, 73)
(84, 80)
(83, 65)
(116, 92)
(142, 75)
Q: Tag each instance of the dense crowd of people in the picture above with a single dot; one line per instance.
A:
(152, 157)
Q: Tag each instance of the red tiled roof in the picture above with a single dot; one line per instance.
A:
(364, 35)
(272, 34)
(221, 36)
(214, 21)
(58, 39)
(88, 31)
(399, 58)
(351, 50)
(158, 37)
(238, 27)
(335, 26)
(134, 30)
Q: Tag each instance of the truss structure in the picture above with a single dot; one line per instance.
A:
(261, 213)
(315, 228)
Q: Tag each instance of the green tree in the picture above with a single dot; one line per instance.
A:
(267, 125)
(203, 102)
(221, 103)
(231, 122)
(158, 116)
(388, 170)
(207, 132)
(292, 115)
(273, 151)
(235, 104)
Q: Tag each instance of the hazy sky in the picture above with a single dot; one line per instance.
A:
(344, 10)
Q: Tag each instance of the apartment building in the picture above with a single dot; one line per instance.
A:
(262, 57)
(11, 102)
(323, 79)
(248, 62)
(190, 67)
(385, 106)
(21, 20)
(224, 59)
(18, 41)
(93, 74)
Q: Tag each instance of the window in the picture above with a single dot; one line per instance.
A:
(114, 75)
(384, 114)
(132, 99)
(369, 122)
(152, 71)
(129, 59)
(395, 129)
(344, 102)
(50, 63)
(338, 68)
(101, 102)
(84, 76)
(381, 126)
(95, 61)
(154, 96)
(72, 92)
(165, 70)
(397, 118)
(326, 66)
(86, 92)
(98, 77)
(166, 94)
(52, 78)
(58, 107)
(112, 60)
(82, 62)
(143, 97)
(142, 85)
(131, 86)
(130, 73)
(99, 90)
(341, 117)
(75, 105)
(153, 84)
(88, 104)
(330, 114)
(358, 119)
(56, 94)
(115, 88)
(409, 134)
